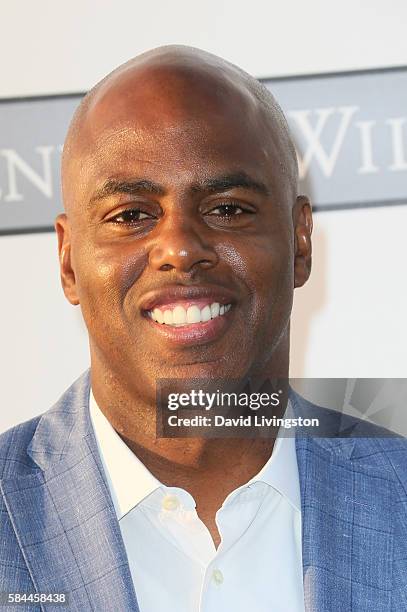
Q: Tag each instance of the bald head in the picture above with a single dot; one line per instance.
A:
(179, 174)
(175, 82)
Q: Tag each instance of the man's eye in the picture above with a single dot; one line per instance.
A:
(130, 216)
(227, 210)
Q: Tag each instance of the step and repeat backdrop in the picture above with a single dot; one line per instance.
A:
(350, 132)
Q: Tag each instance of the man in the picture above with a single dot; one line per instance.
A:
(182, 240)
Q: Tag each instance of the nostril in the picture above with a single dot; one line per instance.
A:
(166, 267)
(205, 263)
(202, 263)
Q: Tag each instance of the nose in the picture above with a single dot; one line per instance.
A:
(180, 245)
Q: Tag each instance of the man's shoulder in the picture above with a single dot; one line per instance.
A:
(45, 434)
(14, 459)
(362, 440)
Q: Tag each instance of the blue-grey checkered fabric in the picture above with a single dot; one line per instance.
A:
(59, 531)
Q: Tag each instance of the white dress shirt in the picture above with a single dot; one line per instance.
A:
(173, 561)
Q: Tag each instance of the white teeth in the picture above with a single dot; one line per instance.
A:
(168, 318)
(215, 310)
(206, 314)
(158, 315)
(179, 316)
(193, 314)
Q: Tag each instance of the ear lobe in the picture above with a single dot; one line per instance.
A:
(67, 274)
(302, 218)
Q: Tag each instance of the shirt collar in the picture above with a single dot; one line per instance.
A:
(128, 478)
(130, 481)
(281, 471)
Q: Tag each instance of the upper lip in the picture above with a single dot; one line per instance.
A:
(179, 293)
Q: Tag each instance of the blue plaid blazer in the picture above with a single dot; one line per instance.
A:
(59, 531)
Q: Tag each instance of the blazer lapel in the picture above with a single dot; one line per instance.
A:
(63, 514)
(347, 526)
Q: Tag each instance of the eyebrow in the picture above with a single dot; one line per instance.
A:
(132, 187)
(213, 185)
(231, 181)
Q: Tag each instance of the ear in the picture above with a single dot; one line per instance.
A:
(302, 220)
(67, 273)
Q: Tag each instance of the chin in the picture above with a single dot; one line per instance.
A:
(214, 369)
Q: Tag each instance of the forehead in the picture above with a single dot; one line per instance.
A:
(175, 125)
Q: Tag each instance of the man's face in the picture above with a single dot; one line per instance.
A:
(180, 212)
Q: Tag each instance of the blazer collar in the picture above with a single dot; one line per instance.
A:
(63, 426)
(347, 523)
(63, 515)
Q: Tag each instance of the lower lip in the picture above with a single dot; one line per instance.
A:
(195, 333)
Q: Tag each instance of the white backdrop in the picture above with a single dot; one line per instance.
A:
(349, 321)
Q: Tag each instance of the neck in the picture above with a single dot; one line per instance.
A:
(208, 468)
(133, 417)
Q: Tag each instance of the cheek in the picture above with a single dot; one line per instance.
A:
(264, 264)
(105, 278)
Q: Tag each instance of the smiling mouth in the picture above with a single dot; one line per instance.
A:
(186, 315)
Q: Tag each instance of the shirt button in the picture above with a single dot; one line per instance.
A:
(170, 502)
(217, 576)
